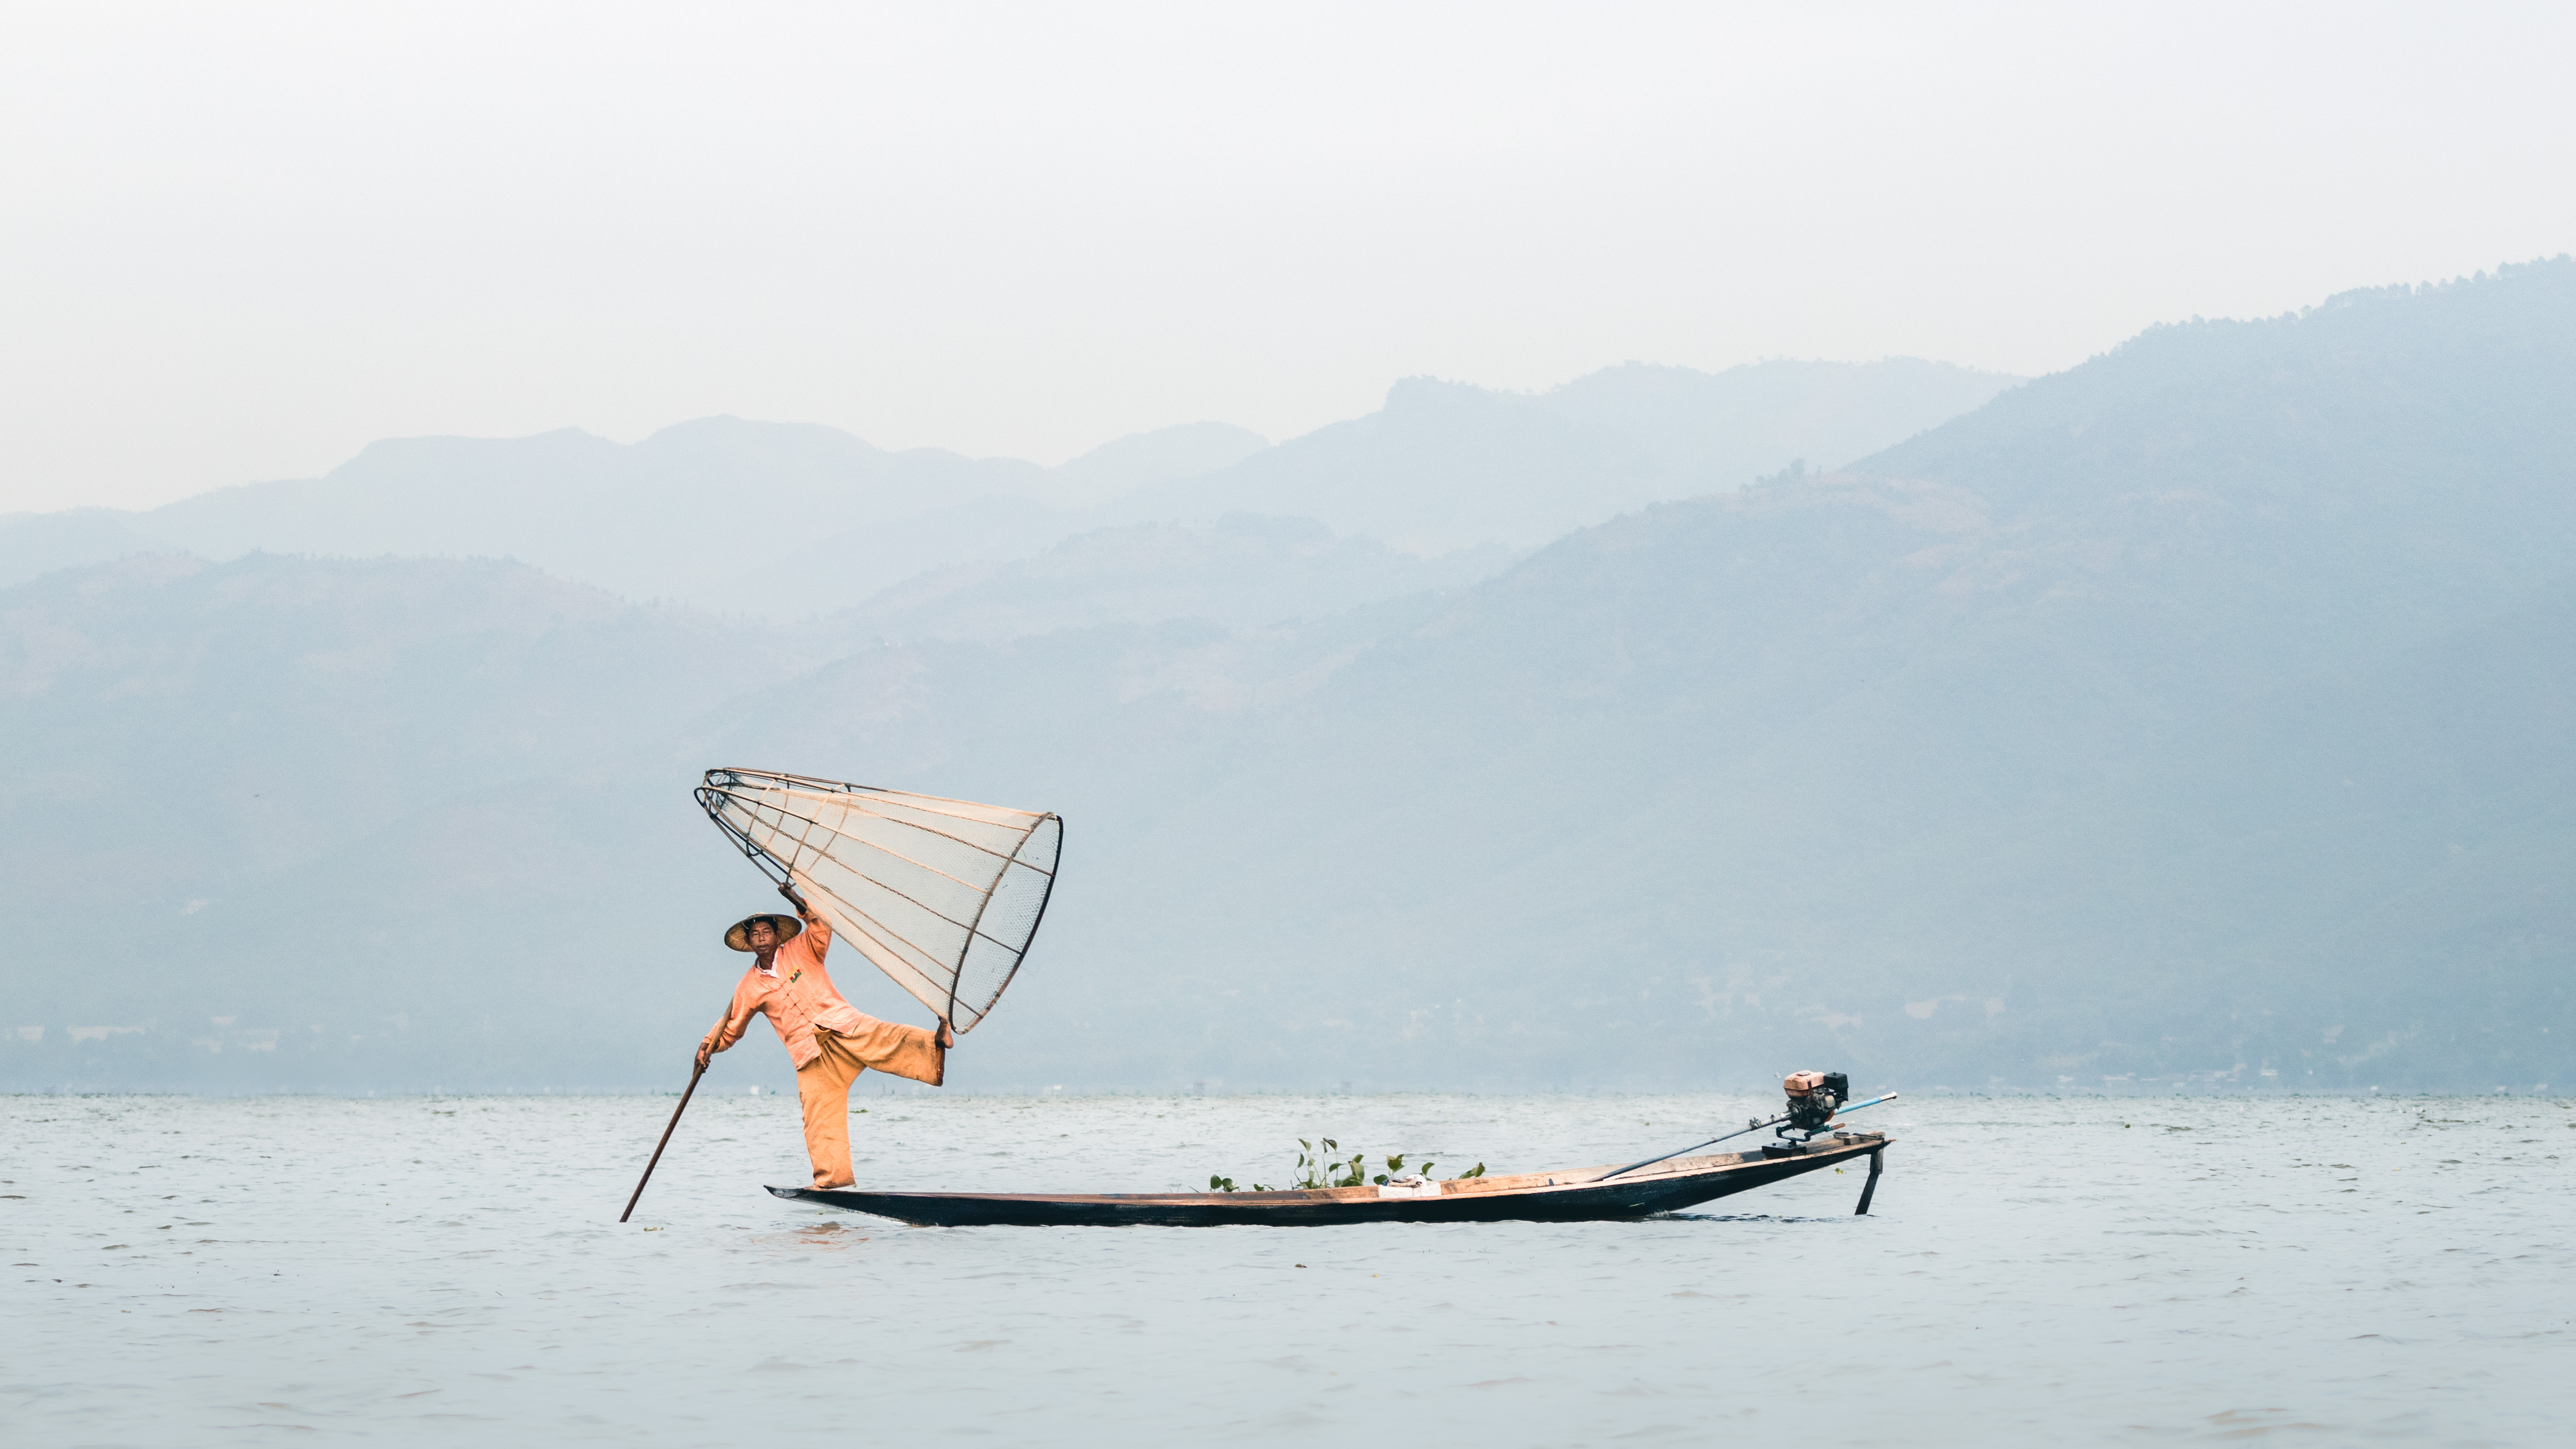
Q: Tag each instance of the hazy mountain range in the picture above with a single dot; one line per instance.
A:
(2198, 714)
(783, 520)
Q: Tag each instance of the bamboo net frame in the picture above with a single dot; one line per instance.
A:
(941, 895)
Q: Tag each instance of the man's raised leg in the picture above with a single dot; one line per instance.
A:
(899, 1049)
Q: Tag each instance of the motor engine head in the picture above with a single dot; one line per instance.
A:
(1814, 1098)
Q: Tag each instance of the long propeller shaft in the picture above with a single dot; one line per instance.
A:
(1738, 1132)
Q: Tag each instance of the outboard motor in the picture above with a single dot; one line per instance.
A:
(1814, 1098)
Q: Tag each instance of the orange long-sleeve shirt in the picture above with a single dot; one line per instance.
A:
(798, 997)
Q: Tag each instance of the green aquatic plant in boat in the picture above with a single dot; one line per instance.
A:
(1319, 1165)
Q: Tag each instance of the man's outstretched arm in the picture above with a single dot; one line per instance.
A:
(815, 921)
(727, 1030)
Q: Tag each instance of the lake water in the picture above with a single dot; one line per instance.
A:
(2035, 1272)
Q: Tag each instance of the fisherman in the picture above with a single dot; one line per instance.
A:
(830, 1041)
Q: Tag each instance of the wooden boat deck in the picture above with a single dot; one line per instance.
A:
(1574, 1194)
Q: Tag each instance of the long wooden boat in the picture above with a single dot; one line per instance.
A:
(1578, 1194)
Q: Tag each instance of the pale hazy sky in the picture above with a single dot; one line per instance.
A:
(239, 241)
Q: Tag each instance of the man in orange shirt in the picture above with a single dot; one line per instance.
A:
(830, 1041)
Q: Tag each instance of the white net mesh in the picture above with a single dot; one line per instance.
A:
(943, 895)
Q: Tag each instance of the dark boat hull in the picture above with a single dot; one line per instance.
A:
(1572, 1195)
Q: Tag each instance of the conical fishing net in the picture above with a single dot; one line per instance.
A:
(943, 895)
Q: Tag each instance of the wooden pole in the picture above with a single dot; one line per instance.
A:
(699, 1070)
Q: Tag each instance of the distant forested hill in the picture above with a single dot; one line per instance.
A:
(2200, 714)
(1445, 466)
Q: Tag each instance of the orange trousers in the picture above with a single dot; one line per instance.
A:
(823, 1085)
